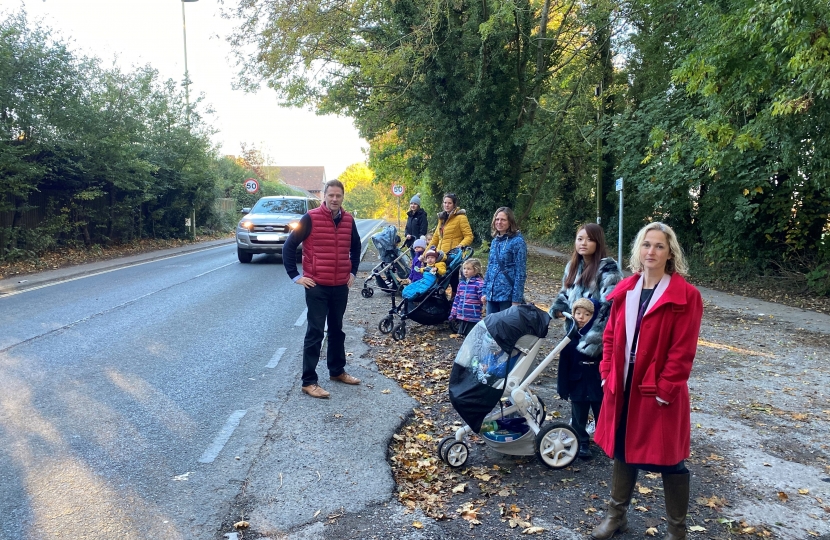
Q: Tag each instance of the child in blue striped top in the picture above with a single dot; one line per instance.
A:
(466, 307)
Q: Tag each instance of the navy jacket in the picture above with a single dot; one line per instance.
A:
(578, 376)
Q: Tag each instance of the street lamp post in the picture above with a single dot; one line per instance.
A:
(186, 73)
(187, 102)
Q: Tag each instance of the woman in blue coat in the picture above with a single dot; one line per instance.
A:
(504, 281)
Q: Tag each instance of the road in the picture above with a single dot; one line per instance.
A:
(148, 400)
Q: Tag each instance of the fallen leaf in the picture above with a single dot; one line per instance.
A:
(651, 531)
(417, 524)
(644, 490)
(641, 508)
(241, 525)
(534, 530)
(460, 488)
(783, 496)
(697, 528)
(387, 391)
(803, 491)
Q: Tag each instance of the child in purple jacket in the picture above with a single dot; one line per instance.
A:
(418, 248)
(466, 307)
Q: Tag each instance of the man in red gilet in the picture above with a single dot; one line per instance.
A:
(331, 255)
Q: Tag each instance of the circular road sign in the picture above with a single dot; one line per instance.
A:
(251, 185)
(397, 190)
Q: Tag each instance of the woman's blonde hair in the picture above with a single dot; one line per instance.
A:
(475, 263)
(676, 262)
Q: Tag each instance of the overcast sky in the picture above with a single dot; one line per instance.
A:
(138, 32)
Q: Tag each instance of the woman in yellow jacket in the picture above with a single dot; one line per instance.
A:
(453, 230)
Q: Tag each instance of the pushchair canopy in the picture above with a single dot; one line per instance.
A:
(386, 242)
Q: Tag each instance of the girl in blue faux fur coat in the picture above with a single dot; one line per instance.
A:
(589, 274)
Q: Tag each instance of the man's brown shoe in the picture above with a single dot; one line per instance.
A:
(314, 390)
(346, 378)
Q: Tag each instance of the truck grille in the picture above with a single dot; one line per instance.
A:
(271, 229)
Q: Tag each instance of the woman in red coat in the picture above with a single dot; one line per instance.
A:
(649, 345)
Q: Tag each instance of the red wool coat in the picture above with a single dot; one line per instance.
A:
(655, 434)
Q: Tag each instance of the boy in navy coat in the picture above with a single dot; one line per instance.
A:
(578, 377)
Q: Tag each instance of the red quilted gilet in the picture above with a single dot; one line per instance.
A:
(326, 250)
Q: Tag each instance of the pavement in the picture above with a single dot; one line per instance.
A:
(802, 319)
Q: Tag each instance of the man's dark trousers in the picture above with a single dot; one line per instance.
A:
(325, 303)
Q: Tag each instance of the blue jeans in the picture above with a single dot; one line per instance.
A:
(325, 304)
(499, 305)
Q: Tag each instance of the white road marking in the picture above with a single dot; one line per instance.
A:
(222, 438)
(276, 358)
(4, 294)
(301, 319)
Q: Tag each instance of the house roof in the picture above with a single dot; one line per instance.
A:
(310, 179)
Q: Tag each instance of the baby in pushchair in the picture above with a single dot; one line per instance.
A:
(432, 270)
(425, 301)
(490, 389)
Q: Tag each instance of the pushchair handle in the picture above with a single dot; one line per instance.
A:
(572, 330)
(466, 252)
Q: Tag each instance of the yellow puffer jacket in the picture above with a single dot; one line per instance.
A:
(454, 232)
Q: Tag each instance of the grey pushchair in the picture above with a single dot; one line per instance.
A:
(393, 266)
(490, 389)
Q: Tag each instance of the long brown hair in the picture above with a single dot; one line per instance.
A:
(589, 271)
(512, 226)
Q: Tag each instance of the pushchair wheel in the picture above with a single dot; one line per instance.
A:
(457, 454)
(557, 445)
(385, 325)
(442, 448)
(539, 411)
(399, 333)
(367, 292)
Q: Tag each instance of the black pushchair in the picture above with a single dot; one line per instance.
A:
(393, 266)
(429, 307)
(490, 389)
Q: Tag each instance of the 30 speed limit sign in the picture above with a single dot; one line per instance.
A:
(397, 190)
(251, 185)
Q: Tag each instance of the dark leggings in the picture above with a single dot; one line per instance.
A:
(454, 282)
(619, 438)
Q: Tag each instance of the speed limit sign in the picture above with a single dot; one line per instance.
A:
(251, 185)
(397, 190)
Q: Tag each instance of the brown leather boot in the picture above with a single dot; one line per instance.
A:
(622, 487)
(676, 491)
